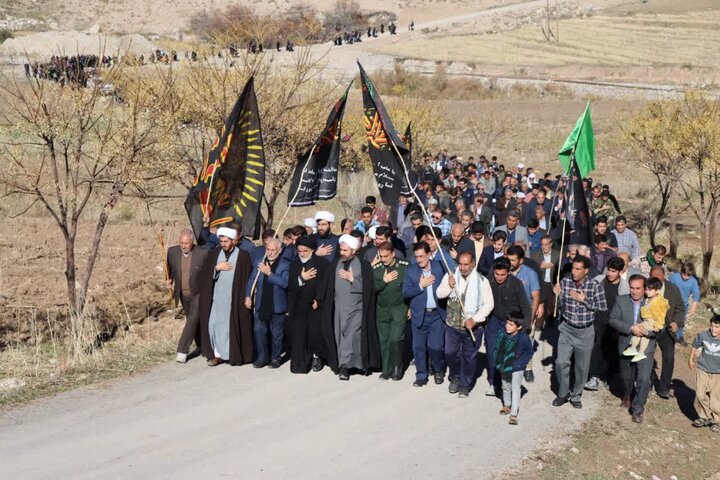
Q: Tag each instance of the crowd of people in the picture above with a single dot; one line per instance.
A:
(67, 69)
(395, 290)
(356, 35)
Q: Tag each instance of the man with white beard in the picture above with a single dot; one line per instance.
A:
(307, 272)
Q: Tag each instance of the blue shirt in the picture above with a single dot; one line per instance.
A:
(360, 225)
(530, 281)
(430, 302)
(688, 288)
(534, 241)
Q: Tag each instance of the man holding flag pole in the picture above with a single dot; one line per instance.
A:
(578, 295)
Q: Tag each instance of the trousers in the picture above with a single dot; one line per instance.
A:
(577, 343)
(493, 328)
(191, 331)
(276, 327)
(511, 391)
(666, 343)
(638, 375)
(461, 354)
(429, 338)
(391, 331)
(707, 395)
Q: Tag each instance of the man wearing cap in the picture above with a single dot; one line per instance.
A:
(306, 275)
(391, 313)
(348, 310)
(225, 322)
(327, 242)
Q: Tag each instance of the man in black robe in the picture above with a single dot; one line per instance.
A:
(307, 273)
(348, 313)
(239, 328)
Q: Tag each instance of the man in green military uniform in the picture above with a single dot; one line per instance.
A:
(392, 313)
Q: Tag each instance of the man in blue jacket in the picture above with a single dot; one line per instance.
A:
(420, 285)
(270, 304)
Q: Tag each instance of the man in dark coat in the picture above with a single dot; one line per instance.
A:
(348, 312)
(625, 318)
(225, 321)
(674, 319)
(270, 303)
(185, 263)
(307, 274)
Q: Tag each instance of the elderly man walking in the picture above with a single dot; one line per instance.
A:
(270, 304)
(470, 302)
(184, 268)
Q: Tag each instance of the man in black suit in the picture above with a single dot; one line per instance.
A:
(184, 263)
(491, 252)
(666, 339)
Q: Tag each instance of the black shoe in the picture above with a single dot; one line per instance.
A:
(664, 395)
(420, 383)
(397, 374)
(317, 364)
(529, 376)
(257, 364)
(576, 404)
(682, 342)
(463, 393)
(344, 375)
(454, 386)
(384, 376)
(439, 378)
(275, 364)
(637, 417)
(560, 401)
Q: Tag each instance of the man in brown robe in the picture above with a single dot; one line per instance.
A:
(225, 322)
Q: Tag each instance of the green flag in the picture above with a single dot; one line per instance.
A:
(582, 141)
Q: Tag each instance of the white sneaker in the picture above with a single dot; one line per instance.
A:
(630, 352)
(638, 357)
(490, 392)
(181, 357)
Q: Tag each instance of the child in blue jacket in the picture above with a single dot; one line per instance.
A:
(514, 350)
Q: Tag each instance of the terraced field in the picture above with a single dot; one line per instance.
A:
(689, 40)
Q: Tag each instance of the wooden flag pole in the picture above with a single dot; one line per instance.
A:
(442, 256)
(287, 210)
(163, 252)
(562, 238)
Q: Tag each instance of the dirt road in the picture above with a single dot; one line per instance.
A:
(191, 421)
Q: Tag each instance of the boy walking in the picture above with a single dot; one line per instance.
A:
(706, 346)
(514, 351)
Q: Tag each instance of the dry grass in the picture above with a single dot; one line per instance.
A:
(70, 358)
(686, 40)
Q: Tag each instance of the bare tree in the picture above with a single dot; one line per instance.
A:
(68, 144)
(647, 135)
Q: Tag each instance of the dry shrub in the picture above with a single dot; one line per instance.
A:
(443, 86)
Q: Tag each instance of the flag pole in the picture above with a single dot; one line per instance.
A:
(562, 238)
(442, 256)
(287, 210)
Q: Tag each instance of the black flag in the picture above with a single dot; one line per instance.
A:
(317, 171)
(387, 150)
(577, 213)
(229, 187)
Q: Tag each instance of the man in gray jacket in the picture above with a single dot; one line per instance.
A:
(625, 318)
